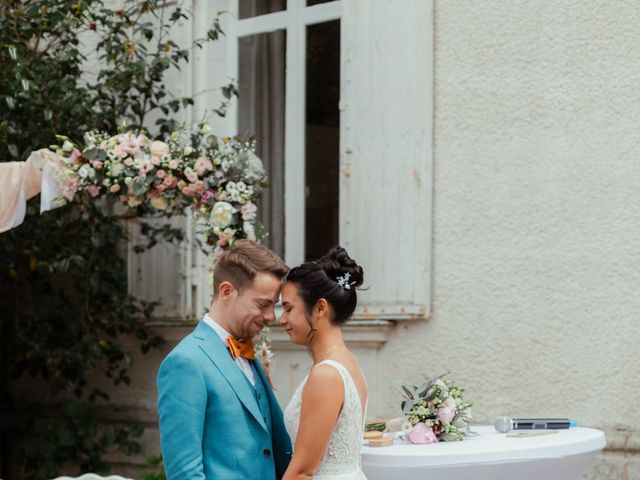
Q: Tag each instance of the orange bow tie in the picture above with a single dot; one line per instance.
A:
(243, 349)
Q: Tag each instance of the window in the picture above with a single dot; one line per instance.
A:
(288, 71)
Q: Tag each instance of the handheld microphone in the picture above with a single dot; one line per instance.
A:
(506, 424)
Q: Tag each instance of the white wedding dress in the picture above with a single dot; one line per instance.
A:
(341, 461)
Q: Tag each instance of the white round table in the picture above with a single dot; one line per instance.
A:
(563, 455)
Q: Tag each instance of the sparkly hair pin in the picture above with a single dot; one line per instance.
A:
(343, 281)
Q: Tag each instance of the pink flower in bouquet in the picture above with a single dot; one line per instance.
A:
(158, 149)
(115, 188)
(128, 145)
(132, 145)
(191, 176)
(198, 188)
(173, 164)
(188, 190)
(249, 211)
(202, 165)
(69, 189)
(161, 174)
(155, 161)
(75, 155)
(207, 195)
(145, 167)
(128, 162)
(93, 190)
(97, 164)
(170, 182)
(421, 434)
(120, 151)
(445, 414)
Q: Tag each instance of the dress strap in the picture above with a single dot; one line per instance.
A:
(338, 366)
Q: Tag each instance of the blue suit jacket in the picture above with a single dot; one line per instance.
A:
(211, 426)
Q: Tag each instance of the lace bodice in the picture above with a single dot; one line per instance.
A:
(343, 453)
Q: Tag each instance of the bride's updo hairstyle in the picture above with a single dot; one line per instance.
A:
(333, 277)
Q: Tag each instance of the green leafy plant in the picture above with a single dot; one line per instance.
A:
(155, 462)
(69, 66)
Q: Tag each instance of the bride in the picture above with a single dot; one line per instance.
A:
(325, 417)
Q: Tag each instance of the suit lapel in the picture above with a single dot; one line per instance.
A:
(214, 348)
(261, 375)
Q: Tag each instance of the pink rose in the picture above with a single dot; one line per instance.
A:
(445, 414)
(97, 164)
(421, 434)
(202, 165)
(188, 191)
(158, 149)
(76, 155)
(198, 188)
(115, 188)
(93, 190)
(170, 182)
(192, 177)
(133, 145)
(128, 162)
(161, 174)
(121, 151)
(173, 164)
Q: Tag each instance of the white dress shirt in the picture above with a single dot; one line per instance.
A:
(242, 362)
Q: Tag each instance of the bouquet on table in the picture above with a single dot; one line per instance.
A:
(435, 411)
(220, 178)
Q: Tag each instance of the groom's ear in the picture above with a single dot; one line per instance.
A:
(226, 291)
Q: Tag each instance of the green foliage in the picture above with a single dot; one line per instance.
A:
(155, 462)
(69, 66)
(73, 433)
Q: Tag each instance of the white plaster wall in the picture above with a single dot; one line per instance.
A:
(536, 235)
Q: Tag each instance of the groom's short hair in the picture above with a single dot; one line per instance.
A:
(240, 263)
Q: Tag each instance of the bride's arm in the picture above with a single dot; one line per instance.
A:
(322, 399)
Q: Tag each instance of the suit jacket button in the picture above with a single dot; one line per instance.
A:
(266, 452)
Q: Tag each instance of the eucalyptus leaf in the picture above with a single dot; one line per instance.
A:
(408, 392)
(95, 154)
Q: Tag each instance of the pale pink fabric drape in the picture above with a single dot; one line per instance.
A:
(20, 181)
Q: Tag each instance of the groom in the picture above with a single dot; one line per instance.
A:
(219, 418)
